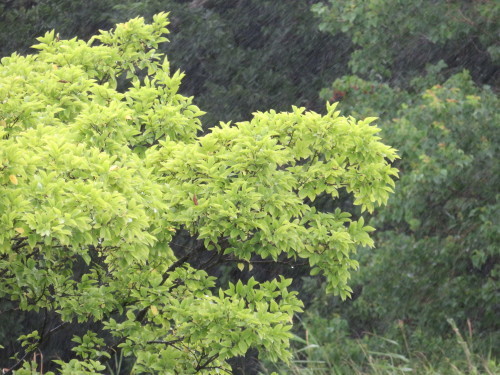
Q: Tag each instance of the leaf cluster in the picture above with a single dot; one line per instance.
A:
(101, 163)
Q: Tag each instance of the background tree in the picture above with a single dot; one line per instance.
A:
(397, 39)
(440, 221)
(96, 183)
(255, 53)
(21, 21)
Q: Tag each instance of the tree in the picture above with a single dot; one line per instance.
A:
(438, 227)
(397, 39)
(96, 183)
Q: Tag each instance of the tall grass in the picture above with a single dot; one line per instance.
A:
(325, 350)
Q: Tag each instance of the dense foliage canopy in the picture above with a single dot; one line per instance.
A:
(440, 225)
(397, 39)
(102, 167)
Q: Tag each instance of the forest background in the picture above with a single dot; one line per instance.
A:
(426, 299)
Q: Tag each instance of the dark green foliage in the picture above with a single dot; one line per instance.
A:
(256, 54)
(442, 220)
(437, 246)
(21, 21)
(398, 38)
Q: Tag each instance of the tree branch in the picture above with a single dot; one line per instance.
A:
(171, 342)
